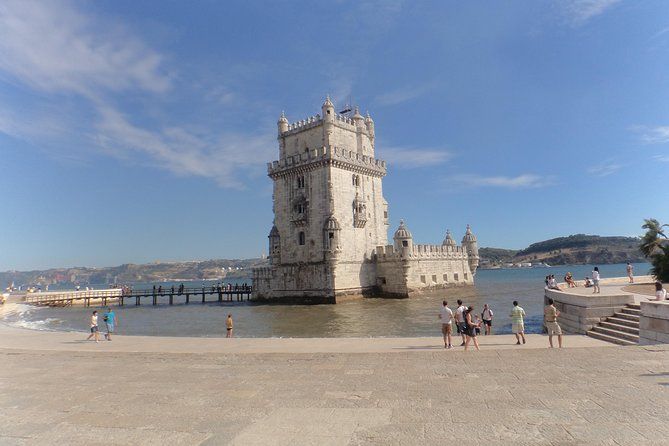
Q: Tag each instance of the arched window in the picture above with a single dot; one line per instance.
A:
(300, 182)
(301, 238)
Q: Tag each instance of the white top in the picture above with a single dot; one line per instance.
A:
(446, 315)
(94, 320)
(595, 275)
(661, 294)
(459, 317)
(487, 314)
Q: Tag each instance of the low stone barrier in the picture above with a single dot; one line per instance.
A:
(579, 313)
(654, 323)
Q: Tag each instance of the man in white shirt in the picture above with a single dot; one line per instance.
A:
(487, 315)
(460, 321)
(446, 316)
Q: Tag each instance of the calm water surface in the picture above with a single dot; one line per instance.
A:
(416, 316)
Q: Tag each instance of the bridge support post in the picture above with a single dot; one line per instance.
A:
(187, 298)
(171, 299)
(220, 296)
(202, 294)
(155, 300)
(137, 300)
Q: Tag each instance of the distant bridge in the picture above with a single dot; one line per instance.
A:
(233, 293)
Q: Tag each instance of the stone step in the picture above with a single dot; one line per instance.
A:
(615, 333)
(631, 311)
(629, 317)
(607, 338)
(620, 321)
(617, 327)
(634, 306)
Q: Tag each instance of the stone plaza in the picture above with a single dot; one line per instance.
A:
(59, 389)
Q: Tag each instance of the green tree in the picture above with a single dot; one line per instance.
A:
(655, 246)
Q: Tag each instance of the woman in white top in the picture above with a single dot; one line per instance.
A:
(660, 293)
(595, 280)
(95, 331)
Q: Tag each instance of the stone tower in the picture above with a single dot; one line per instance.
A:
(329, 210)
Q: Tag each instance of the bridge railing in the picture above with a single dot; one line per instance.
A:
(55, 296)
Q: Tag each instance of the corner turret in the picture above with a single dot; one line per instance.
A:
(471, 246)
(403, 240)
(274, 246)
(448, 240)
(282, 124)
(328, 120)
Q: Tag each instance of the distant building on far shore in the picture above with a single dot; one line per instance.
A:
(329, 240)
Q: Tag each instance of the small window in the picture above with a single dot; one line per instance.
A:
(300, 182)
(434, 278)
(465, 276)
(328, 112)
(405, 243)
(385, 214)
(445, 277)
(422, 279)
(455, 277)
(301, 238)
(382, 280)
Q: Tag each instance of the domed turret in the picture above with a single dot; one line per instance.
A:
(369, 122)
(282, 124)
(471, 246)
(274, 245)
(448, 240)
(328, 109)
(403, 239)
(331, 229)
(358, 120)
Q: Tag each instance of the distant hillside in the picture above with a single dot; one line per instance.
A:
(574, 249)
(128, 273)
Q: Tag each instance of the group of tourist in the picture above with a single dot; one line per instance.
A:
(551, 282)
(468, 325)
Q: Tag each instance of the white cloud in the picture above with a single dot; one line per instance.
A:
(579, 12)
(603, 170)
(403, 94)
(55, 49)
(183, 152)
(662, 158)
(406, 157)
(654, 135)
(524, 181)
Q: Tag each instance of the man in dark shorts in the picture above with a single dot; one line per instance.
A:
(486, 316)
(460, 321)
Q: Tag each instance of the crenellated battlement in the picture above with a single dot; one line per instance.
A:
(303, 124)
(262, 272)
(327, 154)
(389, 252)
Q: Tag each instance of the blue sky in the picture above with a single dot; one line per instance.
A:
(139, 131)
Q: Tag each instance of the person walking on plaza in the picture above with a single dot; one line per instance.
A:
(486, 316)
(460, 321)
(595, 281)
(446, 316)
(630, 272)
(517, 322)
(229, 326)
(95, 331)
(550, 320)
(110, 321)
(470, 328)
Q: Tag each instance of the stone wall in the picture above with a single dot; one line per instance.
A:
(654, 323)
(579, 313)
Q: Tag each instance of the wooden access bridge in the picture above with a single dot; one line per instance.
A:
(234, 293)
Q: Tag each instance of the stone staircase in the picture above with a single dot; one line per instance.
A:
(621, 328)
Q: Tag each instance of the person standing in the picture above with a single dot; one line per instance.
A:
(486, 316)
(595, 280)
(229, 326)
(550, 320)
(460, 321)
(471, 327)
(518, 322)
(660, 292)
(95, 331)
(110, 321)
(630, 272)
(446, 316)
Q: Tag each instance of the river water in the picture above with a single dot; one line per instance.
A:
(417, 316)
